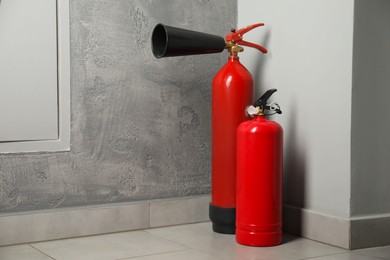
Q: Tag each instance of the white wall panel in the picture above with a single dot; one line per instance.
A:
(34, 75)
(28, 70)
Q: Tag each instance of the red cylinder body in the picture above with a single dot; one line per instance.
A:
(259, 182)
(232, 91)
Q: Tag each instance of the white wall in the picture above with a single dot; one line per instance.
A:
(310, 63)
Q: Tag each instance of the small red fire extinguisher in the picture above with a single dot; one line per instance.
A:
(259, 176)
(232, 91)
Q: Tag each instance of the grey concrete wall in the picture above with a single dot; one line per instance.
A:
(370, 165)
(140, 126)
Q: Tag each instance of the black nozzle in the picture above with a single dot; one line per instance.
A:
(170, 41)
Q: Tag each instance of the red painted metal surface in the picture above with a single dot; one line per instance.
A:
(232, 91)
(259, 182)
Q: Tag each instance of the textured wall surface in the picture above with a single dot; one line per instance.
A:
(140, 126)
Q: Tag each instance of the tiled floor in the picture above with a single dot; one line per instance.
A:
(186, 242)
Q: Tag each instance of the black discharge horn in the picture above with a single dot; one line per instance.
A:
(170, 41)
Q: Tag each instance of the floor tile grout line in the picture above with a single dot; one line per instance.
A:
(189, 247)
(314, 257)
(167, 252)
(349, 251)
(185, 248)
(42, 252)
(379, 257)
(167, 239)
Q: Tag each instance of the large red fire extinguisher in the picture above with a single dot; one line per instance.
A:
(232, 91)
(259, 176)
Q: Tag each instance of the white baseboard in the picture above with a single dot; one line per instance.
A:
(309, 224)
(28, 227)
(353, 233)
(370, 231)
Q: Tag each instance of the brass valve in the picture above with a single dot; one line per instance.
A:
(233, 47)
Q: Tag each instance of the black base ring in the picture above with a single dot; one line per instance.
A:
(223, 219)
